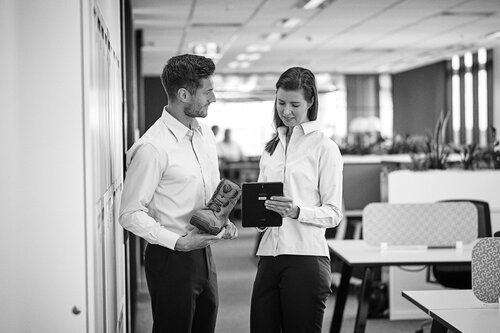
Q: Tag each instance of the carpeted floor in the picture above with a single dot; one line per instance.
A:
(236, 267)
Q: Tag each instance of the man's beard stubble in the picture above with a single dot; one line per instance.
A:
(192, 111)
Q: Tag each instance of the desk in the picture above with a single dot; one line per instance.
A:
(458, 310)
(356, 253)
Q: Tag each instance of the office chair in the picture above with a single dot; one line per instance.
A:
(460, 276)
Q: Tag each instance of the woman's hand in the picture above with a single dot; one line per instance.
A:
(283, 206)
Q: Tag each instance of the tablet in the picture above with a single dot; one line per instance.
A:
(253, 211)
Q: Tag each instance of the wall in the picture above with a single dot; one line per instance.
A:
(103, 154)
(419, 96)
(42, 238)
(154, 98)
(361, 181)
(60, 100)
(496, 89)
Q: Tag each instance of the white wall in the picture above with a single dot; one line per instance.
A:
(51, 249)
(42, 236)
(496, 89)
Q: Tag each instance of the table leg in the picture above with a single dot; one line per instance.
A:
(437, 327)
(364, 301)
(341, 298)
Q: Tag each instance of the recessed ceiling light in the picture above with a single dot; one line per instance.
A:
(493, 35)
(253, 56)
(312, 4)
(210, 49)
(242, 57)
(258, 48)
(273, 36)
(288, 23)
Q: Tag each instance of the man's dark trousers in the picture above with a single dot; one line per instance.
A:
(183, 290)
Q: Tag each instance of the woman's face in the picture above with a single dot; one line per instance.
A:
(292, 107)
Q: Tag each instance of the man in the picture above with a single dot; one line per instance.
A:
(228, 149)
(172, 173)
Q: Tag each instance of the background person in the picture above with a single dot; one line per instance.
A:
(293, 280)
(172, 173)
(215, 130)
(229, 150)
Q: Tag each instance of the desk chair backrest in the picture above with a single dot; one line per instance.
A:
(486, 270)
(459, 276)
(433, 224)
(483, 216)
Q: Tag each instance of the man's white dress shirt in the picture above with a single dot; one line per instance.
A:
(172, 172)
(311, 171)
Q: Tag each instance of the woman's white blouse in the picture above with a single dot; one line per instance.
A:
(311, 172)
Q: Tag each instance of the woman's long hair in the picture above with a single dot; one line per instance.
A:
(295, 78)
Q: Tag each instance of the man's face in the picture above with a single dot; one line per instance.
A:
(199, 102)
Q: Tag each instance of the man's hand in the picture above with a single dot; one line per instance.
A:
(196, 239)
(231, 231)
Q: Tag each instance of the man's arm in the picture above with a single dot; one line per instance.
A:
(143, 176)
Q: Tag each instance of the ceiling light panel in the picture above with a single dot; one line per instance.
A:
(493, 35)
(312, 4)
(288, 23)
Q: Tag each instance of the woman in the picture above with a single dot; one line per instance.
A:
(293, 277)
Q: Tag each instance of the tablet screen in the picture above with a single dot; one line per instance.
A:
(253, 211)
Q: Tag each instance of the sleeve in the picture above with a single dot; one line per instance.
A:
(143, 176)
(330, 173)
(262, 178)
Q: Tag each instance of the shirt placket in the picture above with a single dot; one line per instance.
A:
(197, 144)
(276, 231)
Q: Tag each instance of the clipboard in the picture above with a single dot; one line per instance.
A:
(253, 211)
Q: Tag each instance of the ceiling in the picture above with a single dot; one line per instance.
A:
(340, 36)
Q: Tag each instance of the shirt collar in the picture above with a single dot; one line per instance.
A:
(307, 127)
(310, 126)
(176, 127)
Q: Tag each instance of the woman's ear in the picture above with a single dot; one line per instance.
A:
(309, 104)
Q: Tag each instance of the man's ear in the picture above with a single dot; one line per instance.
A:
(183, 94)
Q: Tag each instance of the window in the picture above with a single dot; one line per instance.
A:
(471, 91)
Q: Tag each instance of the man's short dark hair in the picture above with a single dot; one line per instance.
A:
(185, 71)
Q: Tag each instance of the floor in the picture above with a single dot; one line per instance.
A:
(236, 267)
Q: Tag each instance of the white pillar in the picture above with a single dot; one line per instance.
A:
(496, 88)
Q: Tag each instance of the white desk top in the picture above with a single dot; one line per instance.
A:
(430, 300)
(457, 309)
(357, 252)
(469, 320)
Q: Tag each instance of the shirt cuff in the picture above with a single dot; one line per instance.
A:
(298, 213)
(167, 238)
(306, 214)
